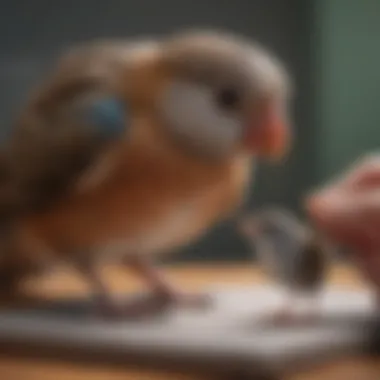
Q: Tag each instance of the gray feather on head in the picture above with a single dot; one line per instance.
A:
(218, 86)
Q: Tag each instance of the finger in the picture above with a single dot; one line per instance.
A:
(350, 218)
(337, 204)
(364, 172)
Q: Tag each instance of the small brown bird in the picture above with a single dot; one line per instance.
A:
(293, 253)
(130, 150)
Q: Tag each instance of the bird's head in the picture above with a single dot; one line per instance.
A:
(219, 95)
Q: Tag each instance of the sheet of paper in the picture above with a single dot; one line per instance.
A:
(227, 335)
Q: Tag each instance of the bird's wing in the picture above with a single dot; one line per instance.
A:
(72, 120)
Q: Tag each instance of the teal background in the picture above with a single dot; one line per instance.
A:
(348, 66)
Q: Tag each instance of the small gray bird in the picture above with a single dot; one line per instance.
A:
(130, 150)
(291, 252)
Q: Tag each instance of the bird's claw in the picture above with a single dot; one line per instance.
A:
(152, 305)
(142, 307)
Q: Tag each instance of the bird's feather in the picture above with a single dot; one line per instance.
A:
(62, 133)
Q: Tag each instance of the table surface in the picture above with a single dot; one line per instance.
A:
(191, 277)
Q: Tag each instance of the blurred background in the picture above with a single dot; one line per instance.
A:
(329, 46)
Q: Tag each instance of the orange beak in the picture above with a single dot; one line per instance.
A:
(267, 134)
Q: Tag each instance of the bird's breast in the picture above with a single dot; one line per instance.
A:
(144, 212)
(172, 227)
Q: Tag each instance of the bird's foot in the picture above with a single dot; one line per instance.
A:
(151, 305)
(137, 308)
(165, 296)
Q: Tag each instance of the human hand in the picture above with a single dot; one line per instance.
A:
(348, 208)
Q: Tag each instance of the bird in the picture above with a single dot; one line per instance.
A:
(294, 254)
(130, 149)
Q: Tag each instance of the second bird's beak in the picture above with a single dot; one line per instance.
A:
(267, 133)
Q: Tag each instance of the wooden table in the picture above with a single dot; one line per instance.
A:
(191, 277)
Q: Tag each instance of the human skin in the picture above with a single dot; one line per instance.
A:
(347, 210)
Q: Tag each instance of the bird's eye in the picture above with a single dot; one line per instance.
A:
(192, 112)
(228, 98)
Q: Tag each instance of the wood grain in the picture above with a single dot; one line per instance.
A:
(63, 284)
